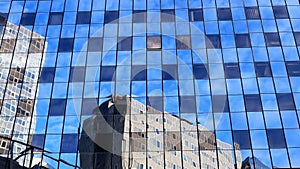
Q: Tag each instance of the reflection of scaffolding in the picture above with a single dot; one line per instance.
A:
(30, 150)
(127, 134)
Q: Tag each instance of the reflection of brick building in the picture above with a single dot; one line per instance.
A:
(122, 134)
(21, 52)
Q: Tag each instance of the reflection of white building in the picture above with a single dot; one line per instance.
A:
(21, 53)
(148, 138)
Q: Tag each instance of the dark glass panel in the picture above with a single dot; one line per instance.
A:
(293, 68)
(253, 103)
(232, 70)
(57, 107)
(107, 73)
(196, 15)
(276, 138)
(213, 41)
(263, 69)
(69, 143)
(200, 71)
(124, 43)
(242, 41)
(111, 16)
(66, 44)
(55, 18)
(272, 39)
(242, 139)
(285, 101)
(224, 14)
(252, 13)
(83, 18)
(280, 12)
(47, 75)
(28, 19)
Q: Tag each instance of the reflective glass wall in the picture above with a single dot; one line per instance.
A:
(149, 84)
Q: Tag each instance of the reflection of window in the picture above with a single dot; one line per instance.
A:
(153, 42)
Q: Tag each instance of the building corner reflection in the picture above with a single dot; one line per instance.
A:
(117, 136)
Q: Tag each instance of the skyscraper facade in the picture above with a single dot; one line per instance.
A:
(150, 84)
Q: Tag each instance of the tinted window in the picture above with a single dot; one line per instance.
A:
(252, 13)
(28, 19)
(111, 16)
(280, 12)
(253, 103)
(242, 139)
(224, 14)
(213, 41)
(55, 18)
(66, 45)
(57, 107)
(232, 70)
(83, 17)
(69, 143)
(107, 73)
(272, 39)
(297, 38)
(242, 41)
(125, 44)
(263, 69)
(293, 68)
(3, 19)
(196, 15)
(47, 75)
(200, 71)
(285, 101)
(276, 138)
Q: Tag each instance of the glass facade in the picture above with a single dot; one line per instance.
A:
(149, 84)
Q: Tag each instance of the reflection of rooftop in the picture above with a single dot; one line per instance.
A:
(253, 162)
(130, 127)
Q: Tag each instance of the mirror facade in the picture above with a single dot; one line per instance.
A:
(142, 84)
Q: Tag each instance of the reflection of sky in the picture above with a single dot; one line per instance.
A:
(186, 84)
